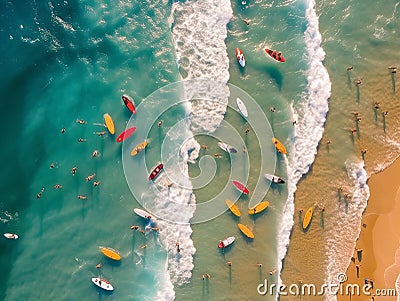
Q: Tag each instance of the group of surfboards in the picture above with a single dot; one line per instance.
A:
(277, 56)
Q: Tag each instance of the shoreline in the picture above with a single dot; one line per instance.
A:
(376, 247)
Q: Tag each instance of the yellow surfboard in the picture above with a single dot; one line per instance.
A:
(246, 231)
(138, 148)
(110, 253)
(279, 146)
(307, 218)
(232, 207)
(109, 123)
(259, 207)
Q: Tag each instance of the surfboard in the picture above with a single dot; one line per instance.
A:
(240, 187)
(10, 235)
(275, 55)
(139, 148)
(233, 208)
(279, 146)
(240, 57)
(125, 134)
(102, 283)
(228, 148)
(110, 253)
(259, 207)
(307, 218)
(156, 171)
(242, 108)
(142, 213)
(246, 231)
(109, 123)
(226, 242)
(274, 178)
(130, 104)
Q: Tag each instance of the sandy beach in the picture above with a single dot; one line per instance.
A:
(379, 238)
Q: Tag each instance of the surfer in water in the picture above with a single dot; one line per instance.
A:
(40, 193)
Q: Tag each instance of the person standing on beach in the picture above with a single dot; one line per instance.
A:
(358, 270)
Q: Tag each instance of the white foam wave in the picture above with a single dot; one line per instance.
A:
(172, 202)
(348, 220)
(311, 116)
(199, 30)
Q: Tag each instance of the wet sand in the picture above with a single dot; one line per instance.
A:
(379, 237)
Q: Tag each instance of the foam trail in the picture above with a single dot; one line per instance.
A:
(199, 30)
(311, 116)
(348, 220)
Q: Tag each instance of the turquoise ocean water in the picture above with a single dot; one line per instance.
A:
(64, 61)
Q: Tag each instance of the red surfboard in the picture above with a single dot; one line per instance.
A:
(240, 57)
(275, 55)
(240, 187)
(156, 171)
(130, 104)
(125, 134)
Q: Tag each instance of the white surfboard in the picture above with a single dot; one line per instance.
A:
(226, 147)
(242, 108)
(102, 283)
(226, 242)
(11, 235)
(274, 179)
(142, 213)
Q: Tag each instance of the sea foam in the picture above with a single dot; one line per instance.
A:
(199, 30)
(311, 114)
(348, 220)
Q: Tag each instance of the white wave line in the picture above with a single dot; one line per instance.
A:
(310, 126)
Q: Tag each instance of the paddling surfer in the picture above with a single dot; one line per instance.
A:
(40, 193)
(90, 177)
(95, 153)
(73, 170)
